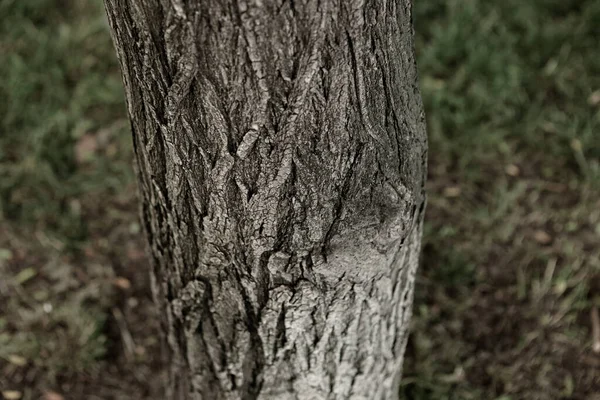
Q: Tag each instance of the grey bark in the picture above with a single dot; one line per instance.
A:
(281, 154)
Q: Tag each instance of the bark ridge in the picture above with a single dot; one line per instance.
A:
(281, 158)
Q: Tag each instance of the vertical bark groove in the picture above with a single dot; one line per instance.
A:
(281, 156)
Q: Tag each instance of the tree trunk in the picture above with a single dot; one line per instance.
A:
(281, 154)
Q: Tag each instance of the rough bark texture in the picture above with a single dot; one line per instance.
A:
(281, 156)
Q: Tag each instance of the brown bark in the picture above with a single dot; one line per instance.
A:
(281, 156)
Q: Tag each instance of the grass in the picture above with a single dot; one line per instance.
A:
(73, 279)
(511, 261)
(512, 250)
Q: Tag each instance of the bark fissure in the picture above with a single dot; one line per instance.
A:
(280, 151)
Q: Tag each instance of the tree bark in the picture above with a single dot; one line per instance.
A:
(281, 157)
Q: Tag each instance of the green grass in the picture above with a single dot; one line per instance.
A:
(511, 260)
(64, 156)
(59, 83)
(512, 249)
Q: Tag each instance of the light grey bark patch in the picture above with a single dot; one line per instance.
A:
(281, 152)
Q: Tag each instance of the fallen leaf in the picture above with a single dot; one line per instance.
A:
(140, 351)
(594, 98)
(512, 170)
(576, 145)
(12, 394)
(542, 237)
(549, 127)
(122, 283)
(595, 330)
(457, 376)
(17, 360)
(452, 191)
(25, 275)
(50, 395)
(133, 302)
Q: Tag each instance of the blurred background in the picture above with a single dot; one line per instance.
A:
(508, 295)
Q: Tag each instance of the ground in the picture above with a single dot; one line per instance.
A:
(509, 290)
